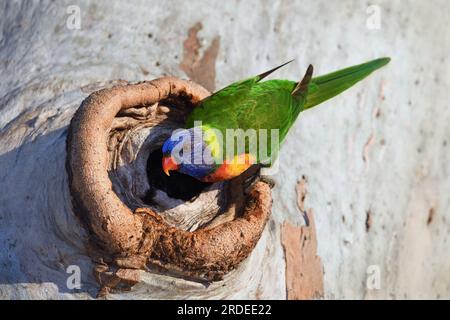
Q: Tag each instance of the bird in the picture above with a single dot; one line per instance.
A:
(245, 123)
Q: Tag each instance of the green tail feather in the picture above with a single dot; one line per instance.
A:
(325, 87)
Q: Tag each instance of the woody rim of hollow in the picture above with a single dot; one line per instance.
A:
(142, 235)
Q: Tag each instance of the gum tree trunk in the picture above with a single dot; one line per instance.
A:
(361, 205)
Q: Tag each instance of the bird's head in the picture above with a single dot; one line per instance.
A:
(185, 151)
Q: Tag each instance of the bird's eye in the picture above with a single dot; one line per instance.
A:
(137, 174)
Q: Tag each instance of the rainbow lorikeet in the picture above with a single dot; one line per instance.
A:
(260, 112)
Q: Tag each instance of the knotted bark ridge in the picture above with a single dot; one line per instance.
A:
(140, 237)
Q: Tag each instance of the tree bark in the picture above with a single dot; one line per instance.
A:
(371, 165)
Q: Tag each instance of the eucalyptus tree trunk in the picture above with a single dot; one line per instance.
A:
(362, 190)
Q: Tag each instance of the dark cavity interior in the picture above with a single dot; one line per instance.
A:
(177, 185)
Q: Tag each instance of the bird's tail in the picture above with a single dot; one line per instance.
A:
(327, 86)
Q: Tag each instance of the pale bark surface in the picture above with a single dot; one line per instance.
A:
(372, 165)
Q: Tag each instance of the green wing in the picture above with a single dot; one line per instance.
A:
(251, 104)
(259, 106)
(223, 106)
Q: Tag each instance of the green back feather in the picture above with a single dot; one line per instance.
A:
(330, 85)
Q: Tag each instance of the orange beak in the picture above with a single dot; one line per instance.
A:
(168, 164)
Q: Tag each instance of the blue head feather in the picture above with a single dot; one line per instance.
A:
(198, 162)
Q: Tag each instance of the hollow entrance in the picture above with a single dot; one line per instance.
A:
(177, 185)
